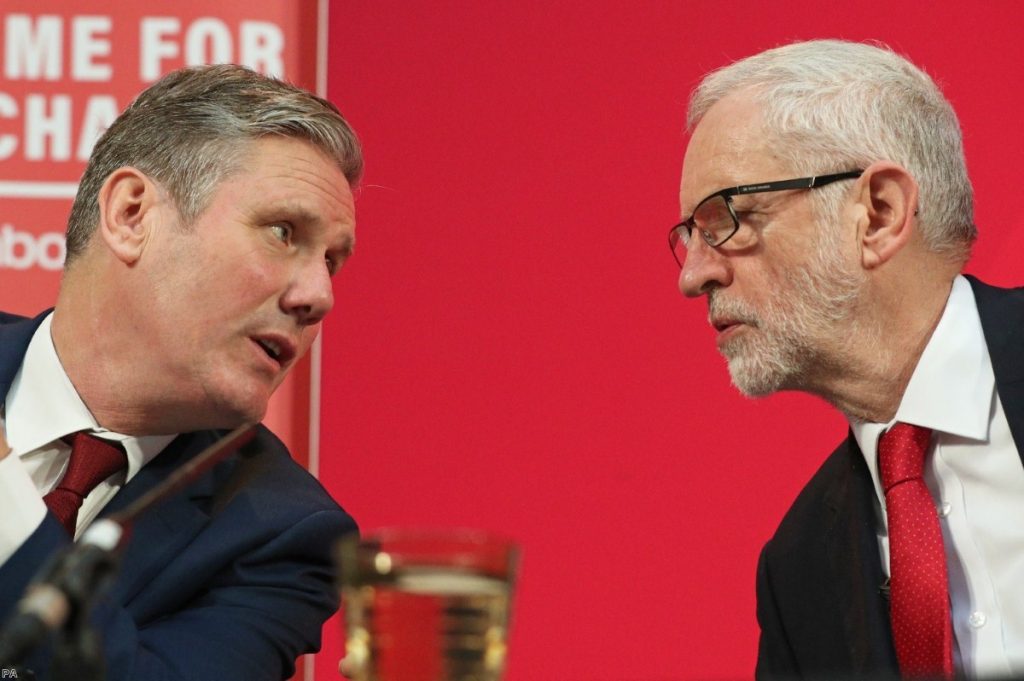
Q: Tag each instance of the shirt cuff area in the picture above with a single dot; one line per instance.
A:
(24, 509)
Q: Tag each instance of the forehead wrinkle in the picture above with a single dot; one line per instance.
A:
(284, 196)
(310, 178)
(728, 148)
(295, 159)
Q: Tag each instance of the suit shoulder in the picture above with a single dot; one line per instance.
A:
(264, 472)
(995, 304)
(986, 290)
(8, 318)
(281, 471)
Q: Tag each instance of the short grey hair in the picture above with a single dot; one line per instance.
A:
(190, 130)
(831, 106)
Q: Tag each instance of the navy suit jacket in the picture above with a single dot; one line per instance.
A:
(229, 579)
(822, 611)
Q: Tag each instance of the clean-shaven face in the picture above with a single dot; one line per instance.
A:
(238, 295)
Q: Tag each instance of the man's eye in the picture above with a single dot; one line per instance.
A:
(282, 230)
(750, 218)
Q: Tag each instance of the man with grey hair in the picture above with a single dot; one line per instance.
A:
(201, 246)
(828, 216)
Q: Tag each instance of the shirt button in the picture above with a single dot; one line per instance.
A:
(977, 619)
(944, 508)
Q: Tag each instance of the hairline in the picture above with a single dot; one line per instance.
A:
(782, 83)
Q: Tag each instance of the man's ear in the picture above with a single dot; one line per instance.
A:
(888, 199)
(126, 201)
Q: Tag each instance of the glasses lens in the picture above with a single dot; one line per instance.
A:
(677, 240)
(714, 220)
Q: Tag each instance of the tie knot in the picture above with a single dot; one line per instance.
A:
(92, 461)
(901, 452)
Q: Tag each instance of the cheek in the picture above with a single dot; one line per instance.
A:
(251, 279)
(251, 269)
(761, 280)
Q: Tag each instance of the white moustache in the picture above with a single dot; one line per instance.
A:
(720, 308)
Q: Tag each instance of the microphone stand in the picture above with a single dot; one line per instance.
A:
(60, 598)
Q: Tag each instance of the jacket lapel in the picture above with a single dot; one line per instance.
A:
(851, 545)
(1002, 320)
(160, 533)
(15, 334)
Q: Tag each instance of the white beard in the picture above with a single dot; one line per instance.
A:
(786, 342)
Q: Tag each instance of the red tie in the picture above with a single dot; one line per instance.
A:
(92, 461)
(919, 587)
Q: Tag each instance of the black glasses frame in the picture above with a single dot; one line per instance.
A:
(675, 234)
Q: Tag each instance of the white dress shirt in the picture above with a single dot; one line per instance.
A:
(42, 406)
(976, 477)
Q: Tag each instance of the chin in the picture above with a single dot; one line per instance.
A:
(231, 411)
(753, 387)
(235, 396)
(757, 376)
(250, 413)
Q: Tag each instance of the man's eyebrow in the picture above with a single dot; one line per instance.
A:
(760, 199)
(346, 245)
(288, 211)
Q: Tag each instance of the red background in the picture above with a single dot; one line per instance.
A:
(509, 349)
(30, 291)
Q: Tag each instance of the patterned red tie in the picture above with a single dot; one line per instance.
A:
(92, 461)
(919, 587)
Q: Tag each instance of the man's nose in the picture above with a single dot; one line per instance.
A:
(310, 296)
(703, 269)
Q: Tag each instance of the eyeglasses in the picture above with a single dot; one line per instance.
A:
(715, 218)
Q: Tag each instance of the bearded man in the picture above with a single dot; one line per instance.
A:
(828, 216)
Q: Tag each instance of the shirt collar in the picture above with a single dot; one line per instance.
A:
(43, 406)
(952, 385)
(951, 388)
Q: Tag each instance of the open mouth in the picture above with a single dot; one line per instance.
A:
(271, 348)
(277, 347)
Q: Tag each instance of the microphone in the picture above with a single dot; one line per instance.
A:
(64, 587)
(66, 582)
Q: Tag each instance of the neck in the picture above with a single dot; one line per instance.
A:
(96, 335)
(91, 353)
(880, 354)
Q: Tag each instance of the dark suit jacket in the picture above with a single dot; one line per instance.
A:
(819, 602)
(229, 579)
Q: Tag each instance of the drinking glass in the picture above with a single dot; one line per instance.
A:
(426, 604)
